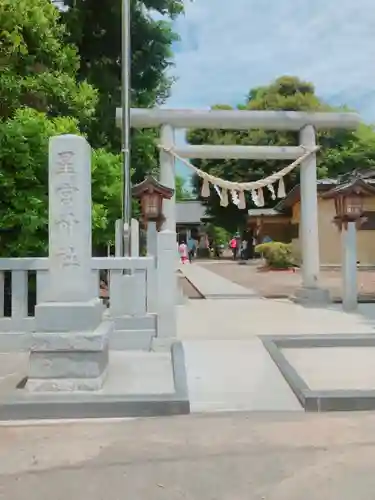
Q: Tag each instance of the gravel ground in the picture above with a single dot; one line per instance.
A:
(284, 283)
(218, 457)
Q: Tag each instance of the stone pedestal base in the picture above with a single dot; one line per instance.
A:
(68, 316)
(69, 361)
(162, 344)
(312, 297)
(65, 385)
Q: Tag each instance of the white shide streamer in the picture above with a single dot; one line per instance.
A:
(255, 187)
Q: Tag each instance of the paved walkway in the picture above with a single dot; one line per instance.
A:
(227, 365)
(213, 286)
(223, 457)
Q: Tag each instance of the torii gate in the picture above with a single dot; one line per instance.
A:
(306, 123)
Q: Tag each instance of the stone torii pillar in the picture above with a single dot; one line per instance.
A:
(166, 253)
(168, 177)
(310, 292)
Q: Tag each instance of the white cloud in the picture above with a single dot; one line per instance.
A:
(228, 47)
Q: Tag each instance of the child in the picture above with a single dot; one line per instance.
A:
(183, 251)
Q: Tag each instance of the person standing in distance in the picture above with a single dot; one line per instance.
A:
(192, 247)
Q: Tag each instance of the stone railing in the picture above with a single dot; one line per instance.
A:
(24, 283)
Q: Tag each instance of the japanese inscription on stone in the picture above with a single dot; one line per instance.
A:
(66, 193)
(66, 221)
(65, 163)
(70, 218)
(69, 257)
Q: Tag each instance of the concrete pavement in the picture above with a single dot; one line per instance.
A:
(246, 318)
(274, 456)
(235, 376)
(13, 367)
(257, 455)
(213, 286)
(228, 367)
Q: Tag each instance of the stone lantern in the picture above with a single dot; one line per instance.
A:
(151, 194)
(348, 197)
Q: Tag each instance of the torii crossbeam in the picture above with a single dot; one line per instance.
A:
(304, 122)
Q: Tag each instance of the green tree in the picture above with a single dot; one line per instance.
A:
(40, 97)
(218, 234)
(38, 69)
(95, 28)
(181, 192)
(24, 184)
(341, 150)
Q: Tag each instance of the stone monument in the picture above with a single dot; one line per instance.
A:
(70, 344)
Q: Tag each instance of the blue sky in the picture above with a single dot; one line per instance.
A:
(228, 47)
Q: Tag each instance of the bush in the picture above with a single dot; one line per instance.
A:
(276, 254)
(203, 253)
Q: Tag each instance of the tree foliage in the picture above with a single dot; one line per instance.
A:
(48, 87)
(40, 97)
(341, 150)
(24, 183)
(95, 28)
(38, 69)
(181, 192)
(217, 234)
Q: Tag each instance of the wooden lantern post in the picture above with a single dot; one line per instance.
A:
(349, 197)
(151, 194)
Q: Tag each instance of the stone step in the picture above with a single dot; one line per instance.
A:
(146, 322)
(131, 340)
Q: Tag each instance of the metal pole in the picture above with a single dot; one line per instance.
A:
(126, 93)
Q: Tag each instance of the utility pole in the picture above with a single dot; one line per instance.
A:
(125, 98)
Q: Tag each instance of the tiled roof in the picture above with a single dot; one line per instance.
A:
(294, 195)
(190, 212)
(256, 212)
(335, 181)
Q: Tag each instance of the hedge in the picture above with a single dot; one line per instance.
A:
(276, 254)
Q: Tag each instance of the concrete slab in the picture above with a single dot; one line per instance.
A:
(138, 384)
(248, 318)
(235, 375)
(329, 391)
(334, 368)
(139, 372)
(366, 311)
(213, 286)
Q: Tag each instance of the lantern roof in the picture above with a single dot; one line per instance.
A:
(353, 186)
(151, 185)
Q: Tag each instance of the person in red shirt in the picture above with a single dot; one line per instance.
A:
(233, 247)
